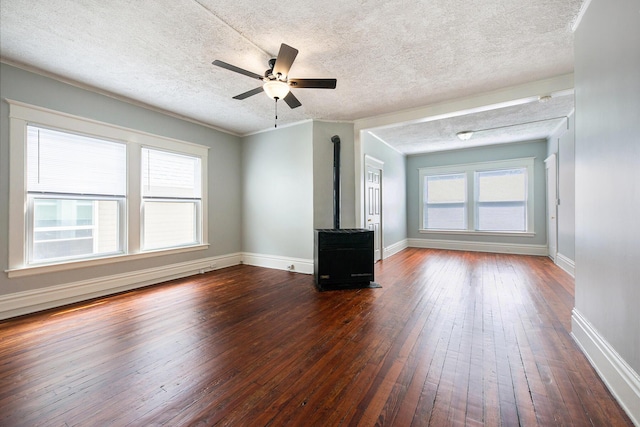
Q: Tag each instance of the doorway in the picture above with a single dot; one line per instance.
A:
(373, 203)
(552, 205)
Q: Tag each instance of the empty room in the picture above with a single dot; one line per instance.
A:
(408, 213)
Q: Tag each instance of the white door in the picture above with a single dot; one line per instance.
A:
(552, 205)
(373, 204)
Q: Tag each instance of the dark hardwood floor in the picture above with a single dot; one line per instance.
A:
(451, 339)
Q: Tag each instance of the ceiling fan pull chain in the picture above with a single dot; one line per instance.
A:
(276, 121)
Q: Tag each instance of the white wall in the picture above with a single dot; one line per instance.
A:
(607, 158)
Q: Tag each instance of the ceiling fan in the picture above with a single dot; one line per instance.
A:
(277, 83)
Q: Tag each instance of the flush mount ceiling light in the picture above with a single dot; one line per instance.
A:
(276, 89)
(465, 135)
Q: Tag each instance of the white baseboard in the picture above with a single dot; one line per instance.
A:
(395, 248)
(566, 264)
(19, 303)
(620, 378)
(300, 265)
(502, 248)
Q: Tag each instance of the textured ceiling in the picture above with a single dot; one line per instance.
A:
(387, 57)
(526, 122)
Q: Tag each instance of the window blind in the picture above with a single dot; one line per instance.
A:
(170, 175)
(65, 163)
(501, 200)
(445, 207)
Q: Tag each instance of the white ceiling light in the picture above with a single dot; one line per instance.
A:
(276, 89)
(465, 135)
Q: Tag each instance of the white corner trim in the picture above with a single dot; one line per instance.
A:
(386, 143)
(19, 303)
(566, 264)
(300, 265)
(493, 247)
(578, 19)
(395, 248)
(618, 376)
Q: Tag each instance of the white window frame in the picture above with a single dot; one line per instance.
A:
(22, 114)
(470, 170)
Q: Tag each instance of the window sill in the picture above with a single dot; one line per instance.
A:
(70, 265)
(480, 233)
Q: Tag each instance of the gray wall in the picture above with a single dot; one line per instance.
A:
(323, 174)
(278, 192)
(537, 149)
(288, 187)
(562, 144)
(607, 158)
(224, 169)
(394, 190)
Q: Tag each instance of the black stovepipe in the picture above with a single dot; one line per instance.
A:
(336, 181)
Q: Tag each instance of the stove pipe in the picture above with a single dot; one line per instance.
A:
(336, 181)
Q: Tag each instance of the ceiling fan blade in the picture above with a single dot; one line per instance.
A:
(291, 100)
(236, 69)
(285, 58)
(249, 93)
(313, 83)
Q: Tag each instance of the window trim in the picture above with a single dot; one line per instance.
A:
(470, 169)
(20, 115)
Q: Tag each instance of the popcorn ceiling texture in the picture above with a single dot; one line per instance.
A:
(387, 56)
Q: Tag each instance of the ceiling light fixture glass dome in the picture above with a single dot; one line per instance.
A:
(276, 89)
(465, 135)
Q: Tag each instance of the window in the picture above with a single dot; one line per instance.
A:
(502, 200)
(93, 192)
(75, 195)
(492, 197)
(171, 198)
(446, 202)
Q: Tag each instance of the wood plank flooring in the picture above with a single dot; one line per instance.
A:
(451, 339)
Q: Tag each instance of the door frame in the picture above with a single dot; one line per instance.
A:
(550, 167)
(375, 164)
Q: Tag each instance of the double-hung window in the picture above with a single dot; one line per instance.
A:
(445, 202)
(501, 202)
(478, 198)
(171, 198)
(91, 192)
(76, 188)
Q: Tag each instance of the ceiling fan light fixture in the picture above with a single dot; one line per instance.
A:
(276, 89)
(465, 135)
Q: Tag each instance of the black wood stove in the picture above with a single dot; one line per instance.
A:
(343, 258)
